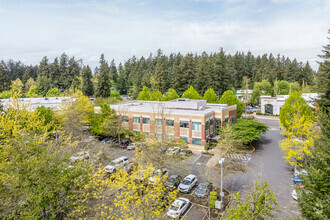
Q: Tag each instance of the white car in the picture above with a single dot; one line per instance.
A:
(131, 146)
(187, 183)
(116, 164)
(178, 207)
(173, 151)
(79, 156)
(152, 179)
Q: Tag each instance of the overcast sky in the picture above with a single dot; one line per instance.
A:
(123, 28)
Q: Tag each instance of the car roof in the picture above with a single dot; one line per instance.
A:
(181, 199)
(174, 176)
(119, 158)
(190, 176)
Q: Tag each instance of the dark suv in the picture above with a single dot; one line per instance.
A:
(124, 143)
(173, 181)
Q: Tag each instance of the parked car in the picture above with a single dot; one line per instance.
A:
(185, 153)
(116, 164)
(141, 174)
(158, 173)
(178, 207)
(173, 181)
(105, 140)
(188, 183)
(203, 189)
(173, 150)
(124, 143)
(131, 146)
(79, 156)
(130, 167)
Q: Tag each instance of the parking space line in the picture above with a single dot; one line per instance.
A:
(196, 159)
(193, 191)
(187, 211)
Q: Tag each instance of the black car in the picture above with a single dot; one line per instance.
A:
(124, 143)
(173, 181)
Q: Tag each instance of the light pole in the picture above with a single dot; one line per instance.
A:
(221, 192)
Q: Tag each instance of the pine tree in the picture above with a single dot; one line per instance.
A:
(113, 71)
(4, 79)
(27, 75)
(314, 198)
(184, 74)
(160, 80)
(104, 83)
(87, 81)
(64, 72)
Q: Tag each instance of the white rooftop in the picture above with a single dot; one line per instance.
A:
(176, 107)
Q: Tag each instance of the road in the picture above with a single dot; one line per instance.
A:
(268, 163)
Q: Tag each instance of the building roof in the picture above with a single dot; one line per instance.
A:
(176, 107)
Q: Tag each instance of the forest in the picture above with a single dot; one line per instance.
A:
(159, 72)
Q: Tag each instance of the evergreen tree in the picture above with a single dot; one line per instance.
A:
(104, 83)
(203, 78)
(113, 71)
(314, 198)
(184, 74)
(64, 72)
(210, 96)
(27, 75)
(4, 79)
(87, 81)
(28, 84)
(43, 84)
(55, 73)
(160, 75)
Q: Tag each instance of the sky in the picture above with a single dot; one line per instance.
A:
(32, 29)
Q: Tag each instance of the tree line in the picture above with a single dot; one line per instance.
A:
(219, 71)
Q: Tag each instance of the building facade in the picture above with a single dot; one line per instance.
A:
(273, 105)
(194, 121)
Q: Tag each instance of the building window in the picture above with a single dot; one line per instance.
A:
(211, 121)
(184, 124)
(145, 120)
(159, 136)
(207, 125)
(170, 137)
(136, 132)
(136, 120)
(233, 119)
(124, 118)
(226, 119)
(159, 121)
(170, 123)
(185, 138)
(146, 135)
(197, 141)
(196, 126)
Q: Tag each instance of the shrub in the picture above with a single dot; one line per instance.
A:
(53, 92)
(110, 100)
(212, 204)
(213, 193)
(115, 94)
(5, 94)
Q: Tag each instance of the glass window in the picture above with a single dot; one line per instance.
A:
(136, 120)
(196, 126)
(211, 121)
(159, 121)
(185, 138)
(146, 134)
(170, 137)
(197, 141)
(207, 125)
(145, 120)
(136, 132)
(159, 136)
(184, 124)
(226, 119)
(169, 122)
(124, 118)
(233, 119)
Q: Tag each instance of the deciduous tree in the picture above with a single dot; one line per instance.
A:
(230, 98)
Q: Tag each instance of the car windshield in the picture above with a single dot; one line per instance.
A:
(171, 180)
(202, 187)
(112, 164)
(186, 182)
(175, 206)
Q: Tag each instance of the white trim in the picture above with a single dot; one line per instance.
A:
(145, 116)
(196, 120)
(134, 115)
(184, 119)
(160, 117)
(169, 118)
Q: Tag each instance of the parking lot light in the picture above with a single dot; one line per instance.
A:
(221, 192)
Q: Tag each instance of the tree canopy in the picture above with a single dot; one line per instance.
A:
(210, 96)
(191, 93)
(230, 98)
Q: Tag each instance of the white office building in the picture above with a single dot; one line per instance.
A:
(273, 105)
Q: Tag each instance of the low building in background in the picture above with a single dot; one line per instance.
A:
(33, 103)
(243, 94)
(273, 105)
(194, 121)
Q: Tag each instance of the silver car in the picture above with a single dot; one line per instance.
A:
(187, 183)
(178, 207)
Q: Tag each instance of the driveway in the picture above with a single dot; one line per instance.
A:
(267, 162)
